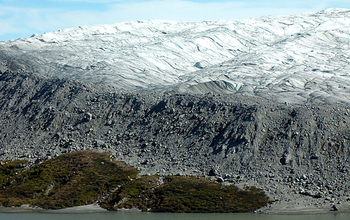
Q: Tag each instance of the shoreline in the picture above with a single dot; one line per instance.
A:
(274, 209)
(299, 207)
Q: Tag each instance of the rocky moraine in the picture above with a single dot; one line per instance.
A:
(299, 154)
(258, 102)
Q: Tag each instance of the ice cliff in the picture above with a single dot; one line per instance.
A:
(302, 58)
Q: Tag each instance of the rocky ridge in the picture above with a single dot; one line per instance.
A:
(299, 154)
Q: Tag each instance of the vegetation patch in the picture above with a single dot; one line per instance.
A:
(86, 177)
(185, 194)
(69, 180)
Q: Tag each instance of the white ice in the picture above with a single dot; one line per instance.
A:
(301, 58)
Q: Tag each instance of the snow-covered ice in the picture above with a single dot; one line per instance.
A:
(303, 58)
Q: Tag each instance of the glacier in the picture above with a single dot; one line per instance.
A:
(303, 58)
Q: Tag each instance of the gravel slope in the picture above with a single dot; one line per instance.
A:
(298, 153)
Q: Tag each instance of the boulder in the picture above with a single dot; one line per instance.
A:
(335, 208)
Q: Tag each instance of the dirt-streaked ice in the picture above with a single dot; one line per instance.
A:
(301, 58)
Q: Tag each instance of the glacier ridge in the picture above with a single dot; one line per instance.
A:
(301, 58)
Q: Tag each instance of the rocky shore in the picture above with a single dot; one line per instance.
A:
(299, 154)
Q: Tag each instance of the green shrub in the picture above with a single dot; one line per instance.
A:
(68, 180)
(186, 194)
(84, 177)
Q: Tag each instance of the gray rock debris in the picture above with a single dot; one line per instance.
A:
(293, 152)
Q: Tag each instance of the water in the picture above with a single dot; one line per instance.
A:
(168, 216)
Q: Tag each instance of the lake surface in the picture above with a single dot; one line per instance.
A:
(168, 216)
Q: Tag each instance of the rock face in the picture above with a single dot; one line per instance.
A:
(291, 151)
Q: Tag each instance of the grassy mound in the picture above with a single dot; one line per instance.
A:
(85, 177)
(185, 194)
(73, 179)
